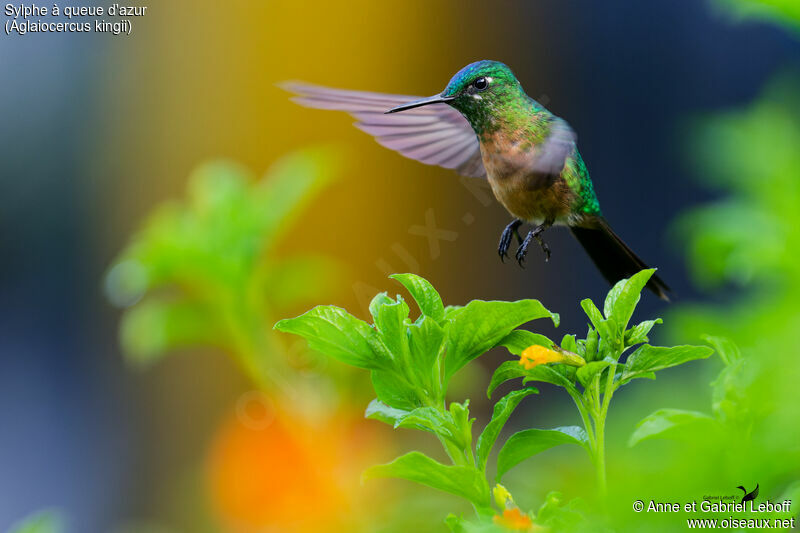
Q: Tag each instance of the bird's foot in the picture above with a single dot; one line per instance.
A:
(535, 233)
(505, 238)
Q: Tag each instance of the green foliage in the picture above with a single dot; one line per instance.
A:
(41, 522)
(744, 247)
(785, 12)
(203, 271)
(502, 411)
(459, 480)
(529, 442)
(602, 373)
(412, 362)
(671, 424)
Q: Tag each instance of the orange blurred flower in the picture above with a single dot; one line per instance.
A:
(282, 472)
(514, 520)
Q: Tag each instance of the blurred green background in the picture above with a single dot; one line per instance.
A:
(166, 172)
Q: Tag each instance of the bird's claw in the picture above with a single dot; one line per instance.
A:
(505, 239)
(521, 252)
(535, 233)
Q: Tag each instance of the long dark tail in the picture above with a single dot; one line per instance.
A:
(613, 257)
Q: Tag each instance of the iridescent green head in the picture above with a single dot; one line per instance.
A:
(483, 92)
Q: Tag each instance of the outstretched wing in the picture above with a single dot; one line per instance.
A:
(435, 134)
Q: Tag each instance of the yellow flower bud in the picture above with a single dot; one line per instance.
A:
(539, 355)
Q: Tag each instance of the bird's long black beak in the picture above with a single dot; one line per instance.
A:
(435, 99)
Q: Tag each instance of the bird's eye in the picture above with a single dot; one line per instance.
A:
(481, 83)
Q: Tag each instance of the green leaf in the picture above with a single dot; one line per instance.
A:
(648, 359)
(586, 373)
(621, 302)
(520, 339)
(672, 424)
(378, 301)
(428, 300)
(462, 423)
(568, 343)
(432, 420)
(506, 371)
(451, 311)
(425, 342)
(481, 325)
(156, 326)
(335, 332)
(40, 522)
(302, 279)
(502, 411)
(462, 481)
(553, 374)
(394, 390)
(557, 516)
(390, 322)
(727, 350)
(638, 333)
(591, 345)
(377, 410)
(527, 443)
(611, 297)
(605, 328)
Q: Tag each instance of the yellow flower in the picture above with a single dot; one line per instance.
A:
(514, 520)
(502, 497)
(539, 355)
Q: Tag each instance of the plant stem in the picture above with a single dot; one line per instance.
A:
(600, 413)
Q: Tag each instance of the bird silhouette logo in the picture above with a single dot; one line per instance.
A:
(748, 496)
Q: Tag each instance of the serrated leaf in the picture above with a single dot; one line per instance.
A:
(482, 325)
(428, 300)
(672, 424)
(335, 332)
(586, 373)
(527, 443)
(502, 411)
(638, 333)
(646, 359)
(624, 302)
(377, 410)
(462, 481)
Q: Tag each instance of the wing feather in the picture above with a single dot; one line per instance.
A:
(435, 134)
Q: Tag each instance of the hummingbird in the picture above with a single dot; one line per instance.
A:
(484, 125)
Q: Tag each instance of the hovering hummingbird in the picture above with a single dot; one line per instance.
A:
(484, 125)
